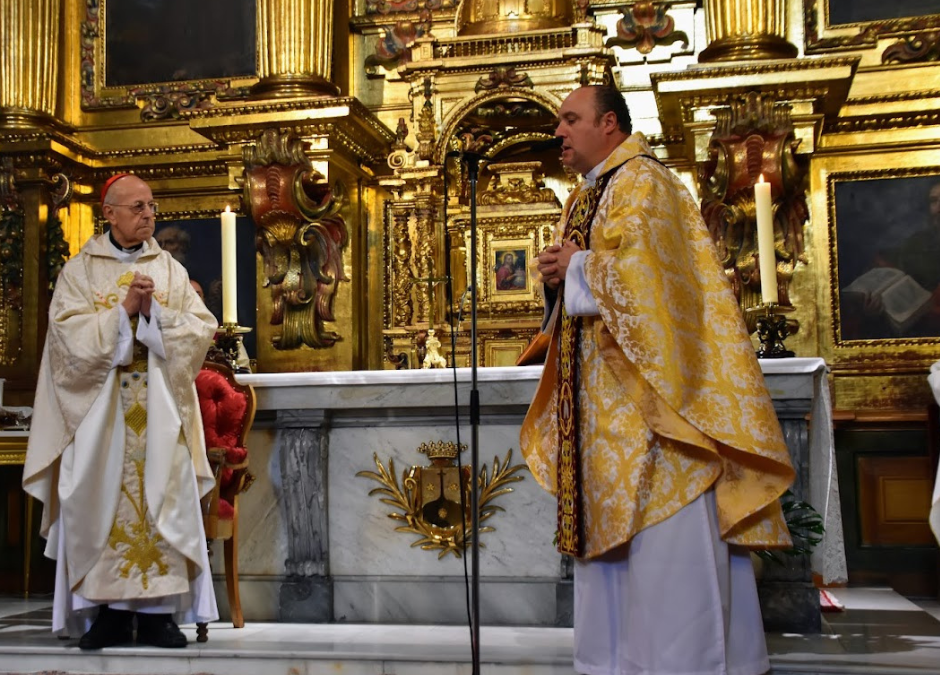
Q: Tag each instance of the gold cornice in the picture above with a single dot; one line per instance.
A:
(34, 141)
(682, 96)
(895, 97)
(790, 79)
(343, 120)
(363, 23)
(883, 122)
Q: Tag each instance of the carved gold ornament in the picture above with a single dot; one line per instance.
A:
(301, 235)
(428, 501)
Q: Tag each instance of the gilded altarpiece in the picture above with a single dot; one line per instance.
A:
(516, 218)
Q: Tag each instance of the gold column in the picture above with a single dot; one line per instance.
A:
(743, 30)
(425, 213)
(295, 48)
(29, 53)
(401, 252)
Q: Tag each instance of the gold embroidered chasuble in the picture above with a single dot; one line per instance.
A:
(113, 451)
(671, 399)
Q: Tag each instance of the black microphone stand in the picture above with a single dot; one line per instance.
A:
(472, 161)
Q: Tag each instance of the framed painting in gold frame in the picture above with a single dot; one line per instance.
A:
(838, 25)
(173, 54)
(870, 369)
(507, 276)
(884, 253)
(506, 246)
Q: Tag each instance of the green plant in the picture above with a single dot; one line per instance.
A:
(806, 529)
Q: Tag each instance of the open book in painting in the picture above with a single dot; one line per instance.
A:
(904, 300)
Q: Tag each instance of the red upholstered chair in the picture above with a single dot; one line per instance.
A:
(228, 410)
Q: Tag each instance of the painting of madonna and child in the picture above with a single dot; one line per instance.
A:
(888, 242)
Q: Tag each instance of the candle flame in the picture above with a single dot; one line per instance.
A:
(760, 179)
(229, 210)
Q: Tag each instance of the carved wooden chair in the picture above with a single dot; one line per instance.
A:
(228, 410)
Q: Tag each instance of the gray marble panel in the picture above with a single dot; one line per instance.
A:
(364, 540)
(262, 533)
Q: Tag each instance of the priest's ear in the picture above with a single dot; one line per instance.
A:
(107, 210)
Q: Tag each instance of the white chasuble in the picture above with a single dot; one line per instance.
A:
(117, 454)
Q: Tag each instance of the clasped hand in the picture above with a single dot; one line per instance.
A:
(139, 295)
(554, 261)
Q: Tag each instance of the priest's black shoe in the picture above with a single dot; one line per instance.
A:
(112, 627)
(159, 630)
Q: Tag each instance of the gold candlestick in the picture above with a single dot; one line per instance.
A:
(772, 330)
(229, 340)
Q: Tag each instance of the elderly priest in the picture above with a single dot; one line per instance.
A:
(116, 453)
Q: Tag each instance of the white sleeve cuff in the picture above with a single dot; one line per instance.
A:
(149, 333)
(579, 301)
(124, 351)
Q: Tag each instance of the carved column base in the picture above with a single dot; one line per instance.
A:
(24, 118)
(748, 48)
(306, 600)
(293, 86)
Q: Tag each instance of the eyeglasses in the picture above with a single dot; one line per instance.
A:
(138, 207)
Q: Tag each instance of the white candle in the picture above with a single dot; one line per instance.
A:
(229, 274)
(765, 241)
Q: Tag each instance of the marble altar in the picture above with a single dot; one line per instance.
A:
(316, 547)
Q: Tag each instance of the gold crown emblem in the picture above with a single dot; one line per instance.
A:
(441, 449)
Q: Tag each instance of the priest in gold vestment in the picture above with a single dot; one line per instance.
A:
(651, 423)
(116, 453)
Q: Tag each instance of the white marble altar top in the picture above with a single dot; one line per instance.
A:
(509, 386)
(792, 366)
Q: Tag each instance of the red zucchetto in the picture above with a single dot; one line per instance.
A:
(111, 181)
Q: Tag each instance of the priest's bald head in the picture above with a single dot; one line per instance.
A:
(127, 204)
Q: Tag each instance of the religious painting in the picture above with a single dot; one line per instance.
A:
(834, 25)
(177, 50)
(197, 245)
(510, 267)
(508, 276)
(885, 251)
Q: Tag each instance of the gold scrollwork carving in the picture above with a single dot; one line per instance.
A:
(501, 77)
(516, 183)
(645, 25)
(12, 224)
(170, 105)
(917, 48)
(57, 248)
(433, 501)
(301, 235)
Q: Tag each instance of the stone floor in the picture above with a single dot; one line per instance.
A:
(879, 632)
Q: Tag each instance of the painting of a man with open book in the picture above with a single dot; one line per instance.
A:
(898, 296)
